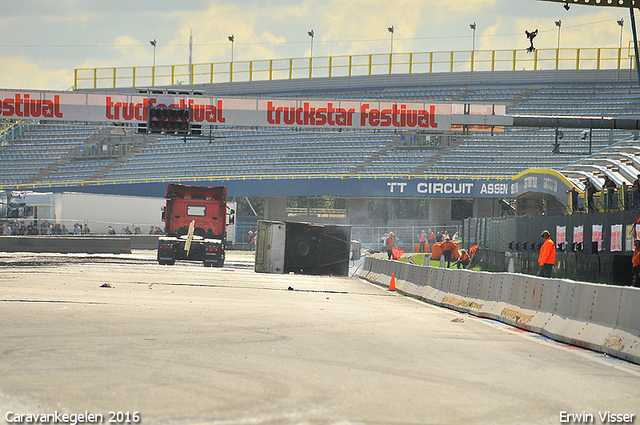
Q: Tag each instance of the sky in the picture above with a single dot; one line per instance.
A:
(43, 41)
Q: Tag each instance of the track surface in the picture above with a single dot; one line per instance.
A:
(193, 345)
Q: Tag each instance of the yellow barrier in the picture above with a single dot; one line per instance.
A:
(353, 65)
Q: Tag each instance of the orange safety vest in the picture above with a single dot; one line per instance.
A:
(636, 258)
(547, 253)
(391, 242)
(448, 246)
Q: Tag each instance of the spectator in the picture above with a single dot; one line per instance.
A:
(137, 231)
(7, 230)
(573, 194)
(112, 231)
(547, 257)
(610, 186)
(636, 263)
(126, 231)
(432, 238)
(635, 188)
(422, 238)
(86, 230)
(589, 190)
(252, 240)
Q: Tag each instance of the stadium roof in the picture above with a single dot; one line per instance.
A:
(613, 3)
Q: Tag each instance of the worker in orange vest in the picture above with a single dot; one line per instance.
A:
(547, 257)
(390, 243)
(447, 249)
(463, 260)
(636, 263)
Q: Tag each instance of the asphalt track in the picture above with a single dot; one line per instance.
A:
(194, 345)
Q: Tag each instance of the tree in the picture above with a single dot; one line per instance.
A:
(243, 207)
(398, 209)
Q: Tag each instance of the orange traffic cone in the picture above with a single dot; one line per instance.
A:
(392, 285)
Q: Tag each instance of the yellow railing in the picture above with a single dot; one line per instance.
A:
(353, 65)
(12, 130)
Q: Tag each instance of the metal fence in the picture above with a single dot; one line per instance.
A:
(355, 65)
(370, 237)
(522, 234)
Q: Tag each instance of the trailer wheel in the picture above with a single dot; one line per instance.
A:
(166, 263)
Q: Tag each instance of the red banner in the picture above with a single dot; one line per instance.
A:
(93, 107)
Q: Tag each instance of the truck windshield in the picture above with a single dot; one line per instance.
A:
(197, 210)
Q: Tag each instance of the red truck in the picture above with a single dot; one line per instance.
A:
(195, 220)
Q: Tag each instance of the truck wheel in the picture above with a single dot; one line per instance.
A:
(208, 263)
(167, 263)
(221, 262)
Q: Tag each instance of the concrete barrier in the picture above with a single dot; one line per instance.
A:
(66, 244)
(423, 283)
(442, 284)
(144, 241)
(460, 297)
(624, 340)
(485, 285)
(599, 317)
(533, 293)
(518, 291)
(475, 283)
(594, 314)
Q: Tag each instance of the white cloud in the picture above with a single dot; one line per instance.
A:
(73, 34)
(24, 74)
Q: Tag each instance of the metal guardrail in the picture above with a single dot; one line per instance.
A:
(10, 132)
(355, 65)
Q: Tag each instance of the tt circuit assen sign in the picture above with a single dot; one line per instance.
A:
(452, 188)
(73, 106)
(549, 182)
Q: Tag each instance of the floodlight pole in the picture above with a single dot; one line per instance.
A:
(311, 36)
(391, 31)
(635, 41)
(153, 43)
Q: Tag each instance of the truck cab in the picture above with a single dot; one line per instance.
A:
(195, 220)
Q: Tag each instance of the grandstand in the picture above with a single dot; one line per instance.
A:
(72, 154)
(53, 153)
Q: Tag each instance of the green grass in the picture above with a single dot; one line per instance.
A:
(419, 260)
